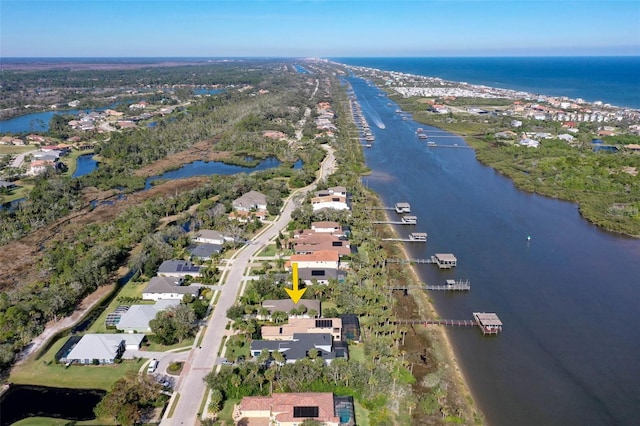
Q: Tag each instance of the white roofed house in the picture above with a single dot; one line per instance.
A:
(324, 200)
(163, 288)
(104, 348)
(327, 227)
(136, 318)
(252, 200)
(208, 236)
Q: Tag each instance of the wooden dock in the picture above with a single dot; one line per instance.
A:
(404, 240)
(395, 260)
(443, 260)
(489, 323)
(445, 322)
(392, 222)
(435, 145)
(451, 285)
(414, 237)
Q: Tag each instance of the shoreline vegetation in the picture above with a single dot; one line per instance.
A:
(438, 348)
(604, 185)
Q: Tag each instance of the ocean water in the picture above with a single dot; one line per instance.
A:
(614, 80)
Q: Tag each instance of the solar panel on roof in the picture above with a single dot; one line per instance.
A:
(324, 323)
(305, 411)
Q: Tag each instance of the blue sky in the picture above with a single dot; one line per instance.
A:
(320, 28)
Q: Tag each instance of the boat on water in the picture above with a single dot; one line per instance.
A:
(422, 136)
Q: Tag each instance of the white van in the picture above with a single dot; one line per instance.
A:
(152, 366)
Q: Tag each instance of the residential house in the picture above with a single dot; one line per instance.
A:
(178, 269)
(300, 345)
(208, 236)
(337, 202)
(531, 143)
(331, 326)
(287, 409)
(312, 242)
(318, 259)
(105, 348)
(252, 200)
(136, 319)
(204, 252)
(47, 155)
(162, 288)
(566, 137)
(39, 166)
(327, 227)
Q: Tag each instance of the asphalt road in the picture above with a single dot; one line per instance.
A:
(201, 360)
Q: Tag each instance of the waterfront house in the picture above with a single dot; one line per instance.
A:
(331, 326)
(300, 345)
(336, 202)
(287, 409)
(318, 259)
(162, 288)
(178, 269)
(327, 227)
(310, 243)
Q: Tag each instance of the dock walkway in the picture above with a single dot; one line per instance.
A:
(445, 322)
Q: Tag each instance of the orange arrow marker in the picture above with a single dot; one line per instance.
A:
(295, 294)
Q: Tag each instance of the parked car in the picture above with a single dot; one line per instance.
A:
(152, 366)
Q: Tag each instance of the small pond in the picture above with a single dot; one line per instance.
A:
(85, 164)
(208, 168)
(62, 403)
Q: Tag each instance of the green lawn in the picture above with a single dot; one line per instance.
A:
(269, 250)
(20, 192)
(225, 416)
(131, 289)
(155, 347)
(356, 352)
(46, 372)
(11, 149)
(362, 414)
(49, 421)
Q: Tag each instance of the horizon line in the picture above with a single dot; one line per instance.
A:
(325, 57)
